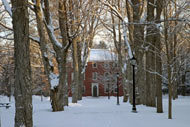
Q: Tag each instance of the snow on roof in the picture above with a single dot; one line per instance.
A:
(101, 55)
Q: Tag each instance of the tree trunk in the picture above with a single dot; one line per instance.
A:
(150, 57)
(138, 41)
(59, 94)
(158, 79)
(48, 67)
(23, 93)
(129, 81)
(81, 74)
(166, 25)
(76, 72)
(59, 98)
(175, 84)
(64, 53)
(131, 40)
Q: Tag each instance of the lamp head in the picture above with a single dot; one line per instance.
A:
(117, 74)
(133, 61)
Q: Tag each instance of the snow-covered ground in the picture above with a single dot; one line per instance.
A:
(101, 112)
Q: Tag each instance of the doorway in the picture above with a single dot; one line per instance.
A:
(95, 90)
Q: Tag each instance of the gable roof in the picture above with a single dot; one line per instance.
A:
(101, 55)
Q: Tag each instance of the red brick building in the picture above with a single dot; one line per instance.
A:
(101, 74)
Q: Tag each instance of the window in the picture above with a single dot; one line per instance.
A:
(115, 65)
(72, 76)
(83, 89)
(115, 88)
(94, 75)
(106, 75)
(94, 65)
(106, 88)
(106, 65)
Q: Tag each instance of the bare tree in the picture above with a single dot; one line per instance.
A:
(23, 94)
(91, 23)
(7, 68)
(158, 66)
(59, 92)
(173, 45)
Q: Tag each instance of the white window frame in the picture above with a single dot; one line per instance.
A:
(94, 75)
(106, 88)
(83, 89)
(106, 74)
(72, 76)
(97, 85)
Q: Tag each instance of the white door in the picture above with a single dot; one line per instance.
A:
(95, 89)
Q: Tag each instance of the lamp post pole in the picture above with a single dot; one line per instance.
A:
(134, 104)
(117, 89)
(108, 91)
(133, 63)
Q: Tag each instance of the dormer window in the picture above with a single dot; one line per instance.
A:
(106, 65)
(94, 65)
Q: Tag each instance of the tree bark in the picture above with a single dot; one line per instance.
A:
(76, 73)
(131, 40)
(23, 93)
(158, 67)
(150, 57)
(81, 74)
(48, 67)
(65, 40)
(175, 84)
(166, 25)
(158, 79)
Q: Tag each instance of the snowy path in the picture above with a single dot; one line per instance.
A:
(101, 112)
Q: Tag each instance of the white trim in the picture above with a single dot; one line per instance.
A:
(83, 89)
(95, 84)
(106, 87)
(72, 76)
(94, 75)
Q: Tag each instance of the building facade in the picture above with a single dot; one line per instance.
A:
(101, 75)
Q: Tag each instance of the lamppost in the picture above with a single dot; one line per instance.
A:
(117, 88)
(108, 86)
(133, 63)
(108, 91)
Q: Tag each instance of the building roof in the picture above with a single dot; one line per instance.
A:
(101, 55)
